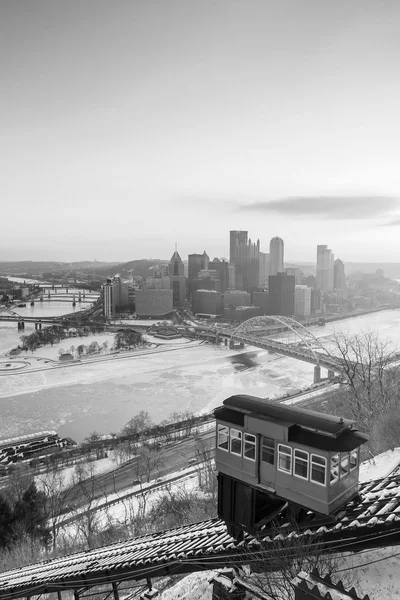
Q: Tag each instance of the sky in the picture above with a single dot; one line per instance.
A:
(129, 126)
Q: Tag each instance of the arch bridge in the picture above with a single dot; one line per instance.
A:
(286, 336)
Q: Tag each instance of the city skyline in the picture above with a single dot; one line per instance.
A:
(127, 126)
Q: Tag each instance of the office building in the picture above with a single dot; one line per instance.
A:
(158, 282)
(231, 277)
(260, 299)
(236, 238)
(247, 265)
(302, 301)
(207, 303)
(176, 271)
(222, 266)
(154, 302)
(325, 262)
(281, 290)
(176, 267)
(264, 269)
(276, 256)
(316, 301)
(339, 276)
(115, 297)
(196, 263)
(298, 274)
(235, 298)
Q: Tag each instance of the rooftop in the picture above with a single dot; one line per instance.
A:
(370, 521)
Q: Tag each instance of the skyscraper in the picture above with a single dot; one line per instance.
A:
(236, 238)
(247, 265)
(264, 269)
(339, 277)
(276, 252)
(325, 260)
(196, 263)
(176, 271)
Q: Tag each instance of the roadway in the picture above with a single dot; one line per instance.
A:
(172, 458)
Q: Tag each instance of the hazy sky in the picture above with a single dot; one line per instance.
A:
(128, 125)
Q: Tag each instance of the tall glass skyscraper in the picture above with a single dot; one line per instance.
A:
(325, 262)
(276, 256)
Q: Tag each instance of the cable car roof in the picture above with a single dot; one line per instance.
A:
(312, 420)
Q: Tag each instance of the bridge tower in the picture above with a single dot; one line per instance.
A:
(79, 297)
(73, 300)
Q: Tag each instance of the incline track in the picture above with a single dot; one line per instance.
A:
(369, 521)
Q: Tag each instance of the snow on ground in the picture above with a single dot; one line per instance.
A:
(52, 352)
(65, 476)
(376, 572)
(143, 322)
(196, 586)
(380, 466)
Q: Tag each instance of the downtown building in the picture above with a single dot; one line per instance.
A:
(325, 268)
(196, 263)
(281, 293)
(207, 303)
(247, 265)
(302, 301)
(276, 256)
(154, 300)
(115, 297)
(339, 278)
(176, 273)
(264, 269)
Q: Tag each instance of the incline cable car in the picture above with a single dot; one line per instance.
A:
(273, 459)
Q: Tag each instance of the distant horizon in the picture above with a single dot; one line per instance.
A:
(166, 260)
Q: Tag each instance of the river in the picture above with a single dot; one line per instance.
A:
(104, 396)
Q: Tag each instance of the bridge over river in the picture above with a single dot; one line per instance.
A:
(295, 341)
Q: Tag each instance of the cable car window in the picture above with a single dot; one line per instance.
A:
(300, 464)
(353, 459)
(268, 451)
(236, 442)
(249, 450)
(318, 469)
(334, 468)
(344, 464)
(223, 437)
(284, 458)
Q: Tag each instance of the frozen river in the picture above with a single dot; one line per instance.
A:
(104, 396)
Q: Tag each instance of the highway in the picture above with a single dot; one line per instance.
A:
(171, 458)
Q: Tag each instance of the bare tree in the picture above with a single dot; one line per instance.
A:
(58, 495)
(204, 453)
(372, 377)
(271, 565)
(87, 519)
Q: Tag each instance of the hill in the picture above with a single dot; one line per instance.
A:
(29, 267)
(142, 267)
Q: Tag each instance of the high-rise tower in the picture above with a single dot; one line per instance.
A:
(176, 271)
(339, 277)
(325, 261)
(276, 256)
(235, 239)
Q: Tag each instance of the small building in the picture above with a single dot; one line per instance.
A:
(66, 356)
